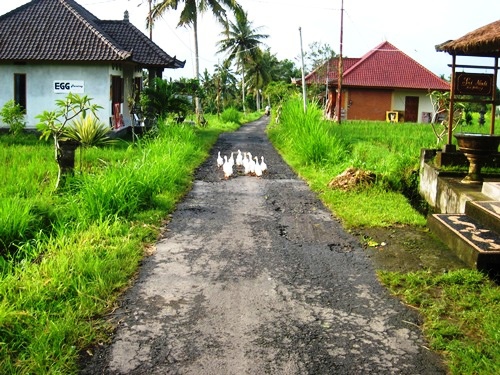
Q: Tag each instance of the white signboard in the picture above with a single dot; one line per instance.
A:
(67, 86)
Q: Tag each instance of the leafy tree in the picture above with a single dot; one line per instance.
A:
(226, 85)
(240, 43)
(189, 17)
(259, 74)
(167, 97)
(283, 70)
(317, 54)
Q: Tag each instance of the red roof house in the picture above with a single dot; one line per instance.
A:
(383, 84)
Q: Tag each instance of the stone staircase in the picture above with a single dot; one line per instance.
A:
(474, 235)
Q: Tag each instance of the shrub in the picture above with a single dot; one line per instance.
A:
(231, 115)
(13, 114)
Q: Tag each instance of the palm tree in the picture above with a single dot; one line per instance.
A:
(259, 73)
(240, 42)
(189, 17)
(226, 83)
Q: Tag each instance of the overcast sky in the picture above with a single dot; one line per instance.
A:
(413, 27)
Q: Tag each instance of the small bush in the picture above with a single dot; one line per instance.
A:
(12, 114)
(231, 115)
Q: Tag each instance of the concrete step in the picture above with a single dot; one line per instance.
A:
(487, 213)
(491, 190)
(476, 245)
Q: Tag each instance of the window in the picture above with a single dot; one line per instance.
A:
(20, 90)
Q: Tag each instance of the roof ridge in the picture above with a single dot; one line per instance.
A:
(94, 28)
(367, 55)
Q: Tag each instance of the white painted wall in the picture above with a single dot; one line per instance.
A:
(424, 102)
(40, 81)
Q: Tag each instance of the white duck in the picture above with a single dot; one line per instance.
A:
(246, 163)
(231, 159)
(239, 159)
(257, 168)
(251, 163)
(220, 161)
(227, 168)
(263, 165)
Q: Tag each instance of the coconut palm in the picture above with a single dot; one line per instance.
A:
(259, 73)
(189, 17)
(240, 43)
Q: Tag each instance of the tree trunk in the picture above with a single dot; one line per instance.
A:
(197, 102)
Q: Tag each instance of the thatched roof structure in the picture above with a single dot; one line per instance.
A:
(484, 41)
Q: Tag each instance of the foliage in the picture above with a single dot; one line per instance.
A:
(317, 54)
(89, 132)
(231, 115)
(163, 97)
(13, 114)
(241, 42)
(60, 278)
(279, 92)
(319, 151)
(53, 123)
(189, 17)
(461, 310)
(440, 120)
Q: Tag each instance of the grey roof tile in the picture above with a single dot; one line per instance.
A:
(62, 30)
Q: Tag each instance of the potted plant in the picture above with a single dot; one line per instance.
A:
(53, 124)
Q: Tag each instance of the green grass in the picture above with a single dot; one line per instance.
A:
(67, 255)
(461, 308)
(461, 311)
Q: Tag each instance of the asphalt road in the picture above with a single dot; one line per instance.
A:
(255, 276)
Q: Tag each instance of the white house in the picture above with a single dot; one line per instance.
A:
(49, 48)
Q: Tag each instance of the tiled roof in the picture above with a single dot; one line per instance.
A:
(387, 67)
(62, 30)
(331, 67)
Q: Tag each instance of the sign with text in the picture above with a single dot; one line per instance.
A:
(473, 84)
(67, 86)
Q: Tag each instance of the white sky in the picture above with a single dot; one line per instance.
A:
(413, 27)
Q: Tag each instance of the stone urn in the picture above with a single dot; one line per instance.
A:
(477, 148)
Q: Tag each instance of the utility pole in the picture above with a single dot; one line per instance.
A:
(304, 93)
(338, 106)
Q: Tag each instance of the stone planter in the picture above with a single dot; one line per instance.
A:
(477, 148)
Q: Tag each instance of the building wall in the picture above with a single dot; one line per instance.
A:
(366, 104)
(369, 104)
(424, 102)
(40, 79)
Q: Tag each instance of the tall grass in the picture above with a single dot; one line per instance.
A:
(306, 136)
(85, 242)
(319, 150)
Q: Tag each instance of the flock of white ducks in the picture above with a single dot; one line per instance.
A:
(244, 162)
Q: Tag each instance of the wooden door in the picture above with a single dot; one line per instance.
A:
(411, 109)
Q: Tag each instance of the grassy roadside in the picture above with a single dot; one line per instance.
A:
(65, 257)
(460, 308)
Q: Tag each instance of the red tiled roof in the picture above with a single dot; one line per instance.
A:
(385, 67)
(62, 30)
(331, 67)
